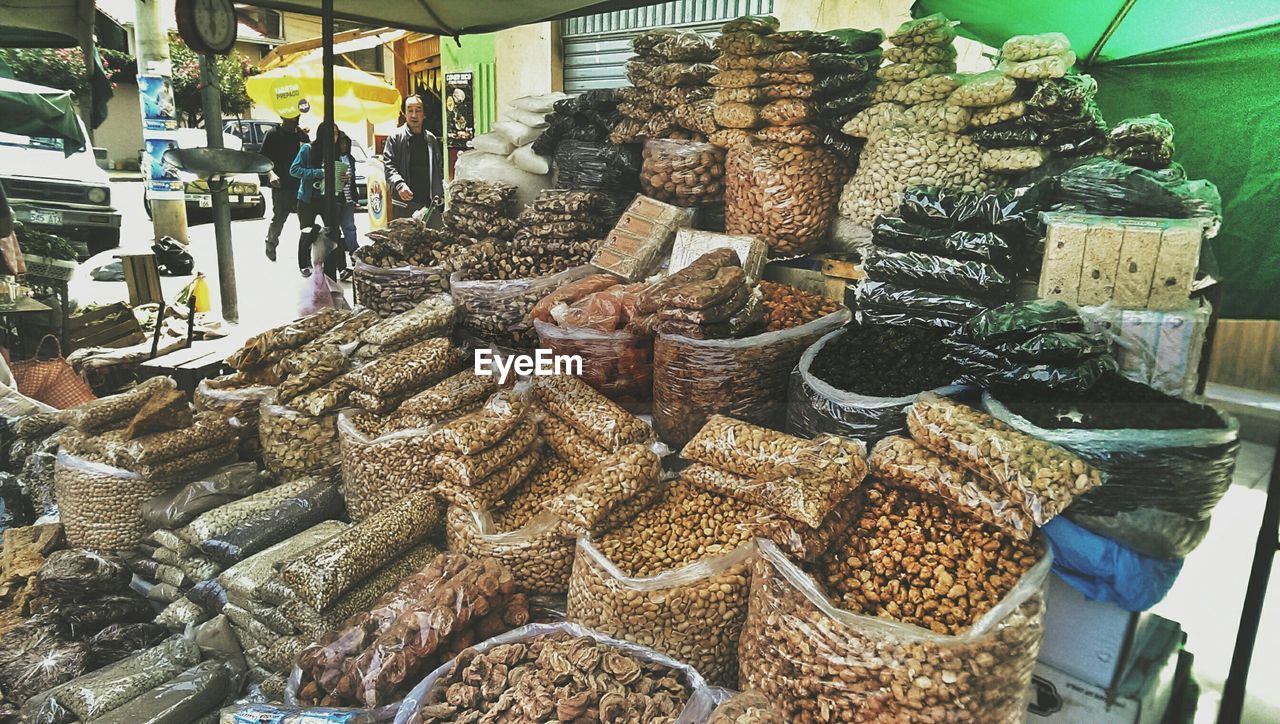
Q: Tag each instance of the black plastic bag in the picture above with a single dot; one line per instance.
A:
(182, 505)
(1068, 95)
(894, 232)
(1079, 376)
(848, 103)
(16, 510)
(1054, 347)
(858, 41)
(172, 258)
(33, 659)
(597, 166)
(1016, 211)
(1152, 129)
(1111, 188)
(121, 639)
(292, 516)
(1007, 134)
(88, 618)
(842, 85)
(209, 595)
(938, 273)
(76, 574)
(1154, 156)
(885, 297)
(1018, 320)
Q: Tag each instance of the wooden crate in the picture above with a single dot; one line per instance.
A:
(112, 326)
(143, 278)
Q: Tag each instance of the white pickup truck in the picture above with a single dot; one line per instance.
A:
(65, 195)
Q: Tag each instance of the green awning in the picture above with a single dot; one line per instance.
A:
(27, 109)
(1207, 67)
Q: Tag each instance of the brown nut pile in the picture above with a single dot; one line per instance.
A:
(903, 462)
(808, 501)
(1037, 476)
(553, 476)
(294, 443)
(412, 368)
(207, 430)
(518, 682)
(308, 369)
(787, 306)
(763, 454)
(693, 616)
(482, 429)
(332, 568)
(267, 348)
(378, 470)
(539, 556)
(451, 394)
(618, 478)
(484, 494)
(106, 412)
(786, 194)
(100, 505)
(462, 469)
(576, 449)
(432, 317)
(684, 173)
(819, 665)
(388, 292)
(378, 655)
(938, 116)
(915, 561)
(590, 413)
(745, 378)
(748, 707)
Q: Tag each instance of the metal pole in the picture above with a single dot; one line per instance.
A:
(212, 99)
(168, 216)
(328, 140)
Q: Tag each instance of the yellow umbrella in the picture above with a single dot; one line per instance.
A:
(357, 96)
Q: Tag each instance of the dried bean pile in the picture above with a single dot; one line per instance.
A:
(101, 505)
(519, 680)
(884, 361)
(377, 655)
(786, 306)
(296, 443)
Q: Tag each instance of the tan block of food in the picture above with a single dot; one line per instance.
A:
(1176, 265)
(1137, 265)
(1101, 258)
(1063, 256)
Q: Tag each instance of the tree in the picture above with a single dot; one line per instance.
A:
(230, 70)
(64, 67)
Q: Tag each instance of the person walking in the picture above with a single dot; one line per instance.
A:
(308, 169)
(281, 145)
(414, 161)
(347, 212)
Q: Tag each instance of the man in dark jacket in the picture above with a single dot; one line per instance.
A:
(281, 146)
(414, 159)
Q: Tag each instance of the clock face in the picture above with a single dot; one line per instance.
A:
(208, 26)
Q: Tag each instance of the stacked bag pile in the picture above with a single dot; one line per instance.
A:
(82, 617)
(913, 119)
(669, 92)
(507, 153)
(947, 256)
(584, 157)
(1146, 141)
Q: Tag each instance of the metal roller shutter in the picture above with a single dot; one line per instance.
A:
(596, 47)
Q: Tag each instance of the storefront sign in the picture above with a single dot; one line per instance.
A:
(459, 109)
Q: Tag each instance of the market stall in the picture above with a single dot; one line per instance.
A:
(585, 453)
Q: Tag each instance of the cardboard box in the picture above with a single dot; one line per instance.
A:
(1141, 697)
(1063, 257)
(691, 244)
(1176, 266)
(1137, 266)
(1089, 640)
(1101, 260)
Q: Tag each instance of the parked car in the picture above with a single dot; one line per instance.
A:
(244, 193)
(250, 132)
(65, 195)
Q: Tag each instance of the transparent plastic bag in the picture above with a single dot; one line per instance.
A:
(901, 461)
(921, 54)
(696, 627)
(938, 116)
(1038, 476)
(256, 713)
(1049, 66)
(396, 290)
(742, 378)
(484, 494)
(786, 194)
(73, 573)
(461, 469)
(220, 520)
(105, 412)
(413, 368)
(978, 90)
(578, 450)
(682, 172)
(589, 412)
(419, 702)
(539, 555)
(497, 311)
(866, 122)
(118, 640)
(583, 508)
(294, 443)
(907, 72)
(180, 506)
(379, 469)
(744, 43)
(816, 660)
(992, 115)
(933, 29)
(450, 394)
(184, 698)
(817, 407)
(1030, 47)
(327, 571)
(207, 430)
(255, 578)
(261, 346)
(34, 659)
(292, 516)
(100, 505)
(759, 24)
(1014, 160)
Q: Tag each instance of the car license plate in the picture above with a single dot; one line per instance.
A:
(52, 218)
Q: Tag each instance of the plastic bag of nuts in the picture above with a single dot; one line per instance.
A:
(101, 505)
(1050, 66)
(575, 448)
(412, 368)
(485, 493)
(1037, 476)
(431, 317)
(743, 378)
(617, 364)
(982, 117)
(465, 469)
(295, 443)
(497, 311)
(818, 662)
(977, 90)
(684, 173)
(598, 492)
(379, 469)
(786, 194)
(106, 412)
(902, 461)
(693, 613)
(590, 413)
(938, 116)
(748, 707)
(394, 291)
(538, 554)
(866, 122)
(1014, 160)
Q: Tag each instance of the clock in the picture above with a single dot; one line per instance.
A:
(207, 26)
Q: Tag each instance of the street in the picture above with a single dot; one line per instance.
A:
(268, 292)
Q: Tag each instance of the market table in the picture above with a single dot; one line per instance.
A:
(26, 305)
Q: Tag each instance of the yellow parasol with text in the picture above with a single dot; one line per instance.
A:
(357, 96)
